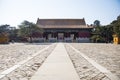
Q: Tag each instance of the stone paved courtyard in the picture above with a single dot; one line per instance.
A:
(107, 55)
(14, 53)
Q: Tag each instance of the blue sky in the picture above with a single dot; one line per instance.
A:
(13, 12)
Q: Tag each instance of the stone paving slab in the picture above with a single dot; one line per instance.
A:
(58, 66)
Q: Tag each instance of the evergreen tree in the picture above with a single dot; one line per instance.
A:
(96, 23)
(26, 29)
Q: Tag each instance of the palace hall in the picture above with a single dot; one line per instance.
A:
(64, 30)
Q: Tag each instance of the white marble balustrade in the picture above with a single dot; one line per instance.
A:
(69, 39)
(37, 39)
(52, 39)
(83, 39)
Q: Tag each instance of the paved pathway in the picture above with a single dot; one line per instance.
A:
(58, 66)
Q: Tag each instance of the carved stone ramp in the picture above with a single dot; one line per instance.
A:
(57, 66)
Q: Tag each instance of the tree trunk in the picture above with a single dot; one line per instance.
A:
(30, 39)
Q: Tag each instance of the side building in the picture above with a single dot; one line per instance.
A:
(65, 30)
